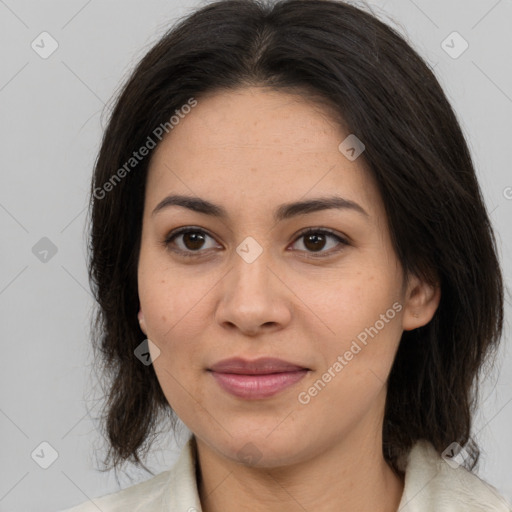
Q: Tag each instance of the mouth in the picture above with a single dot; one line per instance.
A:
(258, 379)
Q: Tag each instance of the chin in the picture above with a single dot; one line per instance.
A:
(263, 448)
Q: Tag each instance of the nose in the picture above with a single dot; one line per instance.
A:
(254, 298)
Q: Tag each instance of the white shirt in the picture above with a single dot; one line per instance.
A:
(431, 485)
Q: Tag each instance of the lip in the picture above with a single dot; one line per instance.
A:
(258, 379)
(260, 366)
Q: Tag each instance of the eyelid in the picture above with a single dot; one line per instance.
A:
(342, 240)
(326, 231)
(183, 230)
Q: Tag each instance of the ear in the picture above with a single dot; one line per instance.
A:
(420, 304)
(142, 322)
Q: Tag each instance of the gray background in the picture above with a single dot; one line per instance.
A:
(50, 130)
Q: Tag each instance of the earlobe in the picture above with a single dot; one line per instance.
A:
(422, 301)
(142, 322)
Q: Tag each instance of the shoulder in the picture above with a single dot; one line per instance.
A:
(131, 498)
(433, 484)
(175, 489)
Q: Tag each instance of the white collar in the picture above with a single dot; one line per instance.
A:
(430, 485)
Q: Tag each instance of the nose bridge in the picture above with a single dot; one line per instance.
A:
(251, 293)
(251, 270)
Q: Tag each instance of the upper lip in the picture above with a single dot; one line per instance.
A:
(261, 366)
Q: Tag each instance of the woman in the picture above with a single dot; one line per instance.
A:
(291, 253)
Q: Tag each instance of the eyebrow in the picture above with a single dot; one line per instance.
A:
(283, 212)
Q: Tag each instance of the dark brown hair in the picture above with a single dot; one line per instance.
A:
(383, 92)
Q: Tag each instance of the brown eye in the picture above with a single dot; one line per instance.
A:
(191, 241)
(314, 240)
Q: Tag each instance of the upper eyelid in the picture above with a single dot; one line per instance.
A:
(185, 229)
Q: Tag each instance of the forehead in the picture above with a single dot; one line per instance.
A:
(254, 117)
(257, 143)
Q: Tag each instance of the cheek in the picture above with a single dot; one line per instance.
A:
(348, 303)
(171, 301)
(176, 323)
(363, 317)
(356, 365)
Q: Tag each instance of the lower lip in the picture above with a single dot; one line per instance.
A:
(257, 386)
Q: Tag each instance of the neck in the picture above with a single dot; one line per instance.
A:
(344, 478)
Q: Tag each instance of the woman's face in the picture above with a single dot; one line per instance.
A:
(250, 284)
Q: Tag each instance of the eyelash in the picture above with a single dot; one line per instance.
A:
(194, 254)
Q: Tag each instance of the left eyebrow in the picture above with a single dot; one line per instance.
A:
(283, 212)
(289, 210)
